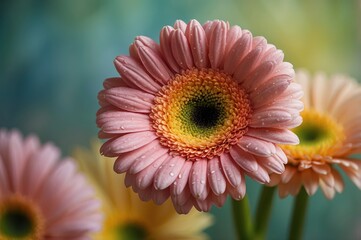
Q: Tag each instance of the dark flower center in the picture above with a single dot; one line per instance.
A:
(131, 231)
(15, 223)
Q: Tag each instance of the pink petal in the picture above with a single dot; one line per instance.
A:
(146, 160)
(203, 205)
(272, 164)
(124, 123)
(153, 63)
(127, 143)
(216, 178)
(148, 42)
(160, 196)
(261, 175)
(233, 34)
(293, 91)
(268, 92)
(279, 136)
(328, 191)
(146, 194)
(168, 172)
(218, 200)
(128, 99)
(288, 174)
(247, 65)
(182, 197)
(185, 208)
(245, 160)
(258, 76)
(198, 178)
(38, 168)
(198, 44)
(114, 82)
(238, 192)
(134, 73)
(231, 170)
(126, 160)
(310, 181)
(237, 53)
(4, 183)
(181, 182)
(328, 179)
(145, 177)
(181, 50)
(217, 43)
(256, 146)
(281, 155)
(339, 184)
(270, 118)
(165, 45)
(181, 25)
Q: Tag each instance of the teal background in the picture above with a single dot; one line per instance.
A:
(54, 56)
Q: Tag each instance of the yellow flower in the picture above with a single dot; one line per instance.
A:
(126, 216)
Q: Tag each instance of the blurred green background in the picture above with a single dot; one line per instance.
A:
(54, 56)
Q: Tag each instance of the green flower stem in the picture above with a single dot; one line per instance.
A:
(298, 216)
(263, 212)
(242, 218)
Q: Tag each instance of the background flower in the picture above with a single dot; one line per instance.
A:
(329, 135)
(42, 197)
(126, 215)
(56, 54)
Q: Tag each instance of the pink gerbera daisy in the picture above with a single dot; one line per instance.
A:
(329, 135)
(189, 117)
(40, 196)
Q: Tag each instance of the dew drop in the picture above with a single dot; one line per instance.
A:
(171, 174)
(180, 176)
(213, 172)
(203, 182)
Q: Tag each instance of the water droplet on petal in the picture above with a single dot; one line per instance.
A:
(171, 174)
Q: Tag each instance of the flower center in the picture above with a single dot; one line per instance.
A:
(319, 137)
(200, 113)
(19, 218)
(131, 231)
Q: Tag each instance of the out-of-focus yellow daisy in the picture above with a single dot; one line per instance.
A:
(329, 135)
(126, 216)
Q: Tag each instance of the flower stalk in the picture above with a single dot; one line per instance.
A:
(298, 216)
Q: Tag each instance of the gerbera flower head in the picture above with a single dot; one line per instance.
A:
(42, 197)
(189, 117)
(126, 216)
(329, 135)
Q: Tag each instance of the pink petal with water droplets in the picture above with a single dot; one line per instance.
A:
(146, 160)
(198, 44)
(134, 74)
(238, 192)
(126, 160)
(261, 175)
(153, 63)
(231, 170)
(245, 160)
(181, 25)
(247, 65)
(236, 54)
(127, 143)
(216, 178)
(198, 178)
(128, 99)
(182, 179)
(165, 45)
(202, 205)
(279, 136)
(217, 44)
(145, 177)
(270, 118)
(260, 75)
(168, 172)
(233, 34)
(272, 164)
(181, 49)
(257, 146)
(269, 91)
(127, 123)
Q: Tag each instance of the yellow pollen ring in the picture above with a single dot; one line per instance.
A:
(176, 128)
(320, 136)
(22, 205)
